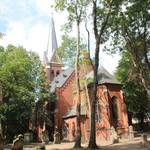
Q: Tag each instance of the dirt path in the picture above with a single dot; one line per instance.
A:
(123, 145)
(130, 145)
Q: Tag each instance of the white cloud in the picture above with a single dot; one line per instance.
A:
(110, 62)
(3, 8)
(15, 34)
(37, 38)
(44, 6)
(34, 36)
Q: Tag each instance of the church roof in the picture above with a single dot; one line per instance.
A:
(61, 79)
(103, 76)
(72, 112)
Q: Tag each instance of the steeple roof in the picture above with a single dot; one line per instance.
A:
(52, 36)
(50, 55)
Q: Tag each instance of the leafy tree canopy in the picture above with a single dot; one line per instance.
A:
(67, 50)
(130, 30)
(21, 84)
(135, 93)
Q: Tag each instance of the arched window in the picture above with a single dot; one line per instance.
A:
(57, 73)
(52, 72)
(114, 108)
(52, 75)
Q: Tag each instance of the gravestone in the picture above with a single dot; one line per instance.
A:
(57, 139)
(114, 135)
(131, 133)
(18, 143)
(28, 137)
(45, 137)
(144, 139)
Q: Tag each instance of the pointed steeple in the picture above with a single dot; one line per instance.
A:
(53, 65)
(52, 40)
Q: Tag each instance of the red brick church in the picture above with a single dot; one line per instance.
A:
(110, 107)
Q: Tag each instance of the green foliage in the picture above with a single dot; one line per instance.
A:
(124, 69)
(75, 8)
(67, 50)
(135, 94)
(130, 30)
(22, 83)
(131, 17)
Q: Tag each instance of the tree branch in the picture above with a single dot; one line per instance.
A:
(95, 19)
(105, 22)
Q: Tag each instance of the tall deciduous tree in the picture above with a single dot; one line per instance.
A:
(135, 94)
(76, 10)
(132, 31)
(101, 14)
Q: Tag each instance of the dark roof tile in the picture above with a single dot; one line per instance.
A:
(61, 79)
(103, 76)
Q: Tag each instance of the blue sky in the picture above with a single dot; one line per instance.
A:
(26, 23)
(17, 11)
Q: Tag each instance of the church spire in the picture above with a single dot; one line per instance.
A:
(52, 40)
(53, 65)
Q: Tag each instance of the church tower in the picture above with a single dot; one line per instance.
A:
(52, 62)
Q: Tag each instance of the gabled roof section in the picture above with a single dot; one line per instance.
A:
(103, 76)
(60, 80)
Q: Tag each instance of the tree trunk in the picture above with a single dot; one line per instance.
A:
(141, 121)
(88, 99)
(78, 130)
(129, 118)
(143, 70)
(92, 142)
(91, 63)
(98, 35)
(88, 32)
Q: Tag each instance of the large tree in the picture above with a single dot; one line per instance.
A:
(76, 10)
(20, 80)
(102, 14)
(135, 94)
(131, 26)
